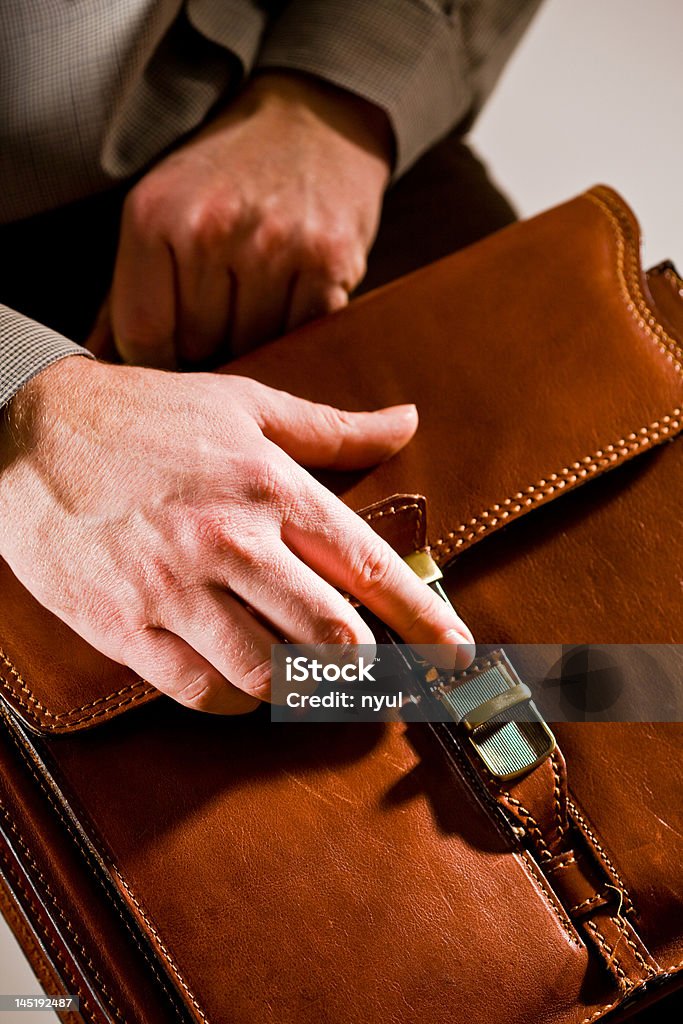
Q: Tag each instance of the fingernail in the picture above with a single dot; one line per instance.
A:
(456, 650)
(406, 411)
(461, 635)
(465, 656)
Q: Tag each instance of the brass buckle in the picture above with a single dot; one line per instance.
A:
(490, 702)
(498, 716)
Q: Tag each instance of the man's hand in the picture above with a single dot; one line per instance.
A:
(164, 518)
(260, 222)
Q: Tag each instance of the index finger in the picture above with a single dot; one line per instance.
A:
(343, 549)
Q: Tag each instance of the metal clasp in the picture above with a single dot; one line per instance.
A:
(497, 705)
(498, 716)
(489, 700)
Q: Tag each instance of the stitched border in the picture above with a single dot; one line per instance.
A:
(567, 861)
(544, 489)
(628, 273)
(393, 510)
(598, 898)
(624, 982)
(460, 765)
(674, 280)
(167, 956)
(65, 714)
(673, 969)
(554, 904)
(48, 719)
(58, 955)
(584, 826)
(601, 1012)
(16, 916)
(557, 793)
(530, 824)
(649, 968)
(30, 765)
(40, 877)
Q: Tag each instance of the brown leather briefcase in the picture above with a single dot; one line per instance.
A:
(165, 865)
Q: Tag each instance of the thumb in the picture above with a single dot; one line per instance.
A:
(321, 436)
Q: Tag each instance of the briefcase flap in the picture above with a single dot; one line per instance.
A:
(538, 360)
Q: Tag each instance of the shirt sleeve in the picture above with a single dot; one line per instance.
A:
(26, 348)
(405, 56)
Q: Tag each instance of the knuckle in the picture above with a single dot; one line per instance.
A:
(197, 692)
(375, 568)
(327, 249)
(211, 530)
(236, 538)
(209, 225)
(142, 207)
(118, 622)
(272, 235)
(266, 483)
(256, 680)
(137, 638)
(163, 579)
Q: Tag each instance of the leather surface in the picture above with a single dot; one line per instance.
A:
(298, 874)
(555, 393)
(344, 875)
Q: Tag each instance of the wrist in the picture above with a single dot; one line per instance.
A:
(29, 414)
(42, 454)
(360, 121)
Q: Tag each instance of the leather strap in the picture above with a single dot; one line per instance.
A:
(566, 849)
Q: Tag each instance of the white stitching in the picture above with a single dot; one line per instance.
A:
(546, 487)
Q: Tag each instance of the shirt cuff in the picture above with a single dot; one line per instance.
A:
(405, 56)
(26, 348)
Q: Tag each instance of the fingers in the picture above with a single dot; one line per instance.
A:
(176, 669)
(227, 636)
(301, 607)
(320, 435)
(206, 293)
(346, 552)
(143, 295)
(313, 298)
(261, 305)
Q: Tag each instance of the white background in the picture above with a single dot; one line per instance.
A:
(593, 94)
